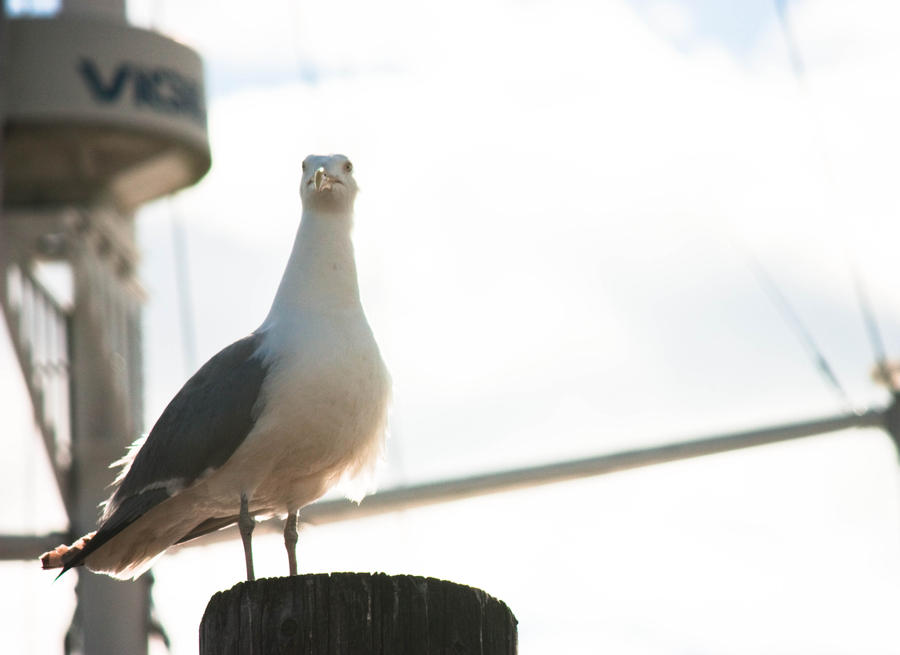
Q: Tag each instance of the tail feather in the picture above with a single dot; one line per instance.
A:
(63, 556)
(127, 512)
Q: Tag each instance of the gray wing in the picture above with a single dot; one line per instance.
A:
(199, 430)
(204, 423)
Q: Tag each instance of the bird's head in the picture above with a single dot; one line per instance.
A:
(327, 183)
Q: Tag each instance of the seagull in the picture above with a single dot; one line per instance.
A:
(271, 422)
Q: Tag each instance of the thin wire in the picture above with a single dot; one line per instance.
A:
(868, 313)
(872, 330)
(790, 316)
(183, 288)
(793, 51)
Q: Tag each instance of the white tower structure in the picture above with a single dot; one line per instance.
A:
(98, 117)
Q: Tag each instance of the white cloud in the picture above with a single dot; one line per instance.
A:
(671, 19)
(535, 179)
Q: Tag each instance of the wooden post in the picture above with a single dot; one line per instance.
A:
(356, 614)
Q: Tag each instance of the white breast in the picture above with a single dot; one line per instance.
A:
(324, 413)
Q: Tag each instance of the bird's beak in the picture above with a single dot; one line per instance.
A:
(323, 181)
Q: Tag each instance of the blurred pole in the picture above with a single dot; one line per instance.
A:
(112, 616)
(426, 494)
(431, 493)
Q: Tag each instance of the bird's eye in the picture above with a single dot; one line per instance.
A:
(304, 167)
(348, 167)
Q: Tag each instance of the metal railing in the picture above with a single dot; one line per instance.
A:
(39, 330)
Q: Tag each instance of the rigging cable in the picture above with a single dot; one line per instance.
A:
(872, 329)
(868, 313)
(183, 289)
(792, 318)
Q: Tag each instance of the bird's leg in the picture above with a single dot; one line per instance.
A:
(246, 525)
(290, 540)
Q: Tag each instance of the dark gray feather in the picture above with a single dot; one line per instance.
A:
(209, 525)
(199, 430)
(204, 423)
(131, 509)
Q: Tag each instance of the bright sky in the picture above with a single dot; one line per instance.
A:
(557, 201)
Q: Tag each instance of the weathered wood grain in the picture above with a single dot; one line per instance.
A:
(358, 614)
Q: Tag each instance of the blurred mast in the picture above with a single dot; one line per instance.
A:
(432, 493)
(866, 308)
(105, 117)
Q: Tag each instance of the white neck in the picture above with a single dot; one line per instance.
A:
(321, 272)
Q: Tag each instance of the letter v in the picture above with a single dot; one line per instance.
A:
(101, 91)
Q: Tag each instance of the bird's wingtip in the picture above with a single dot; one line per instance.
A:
(64, 556)
(52, 559)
